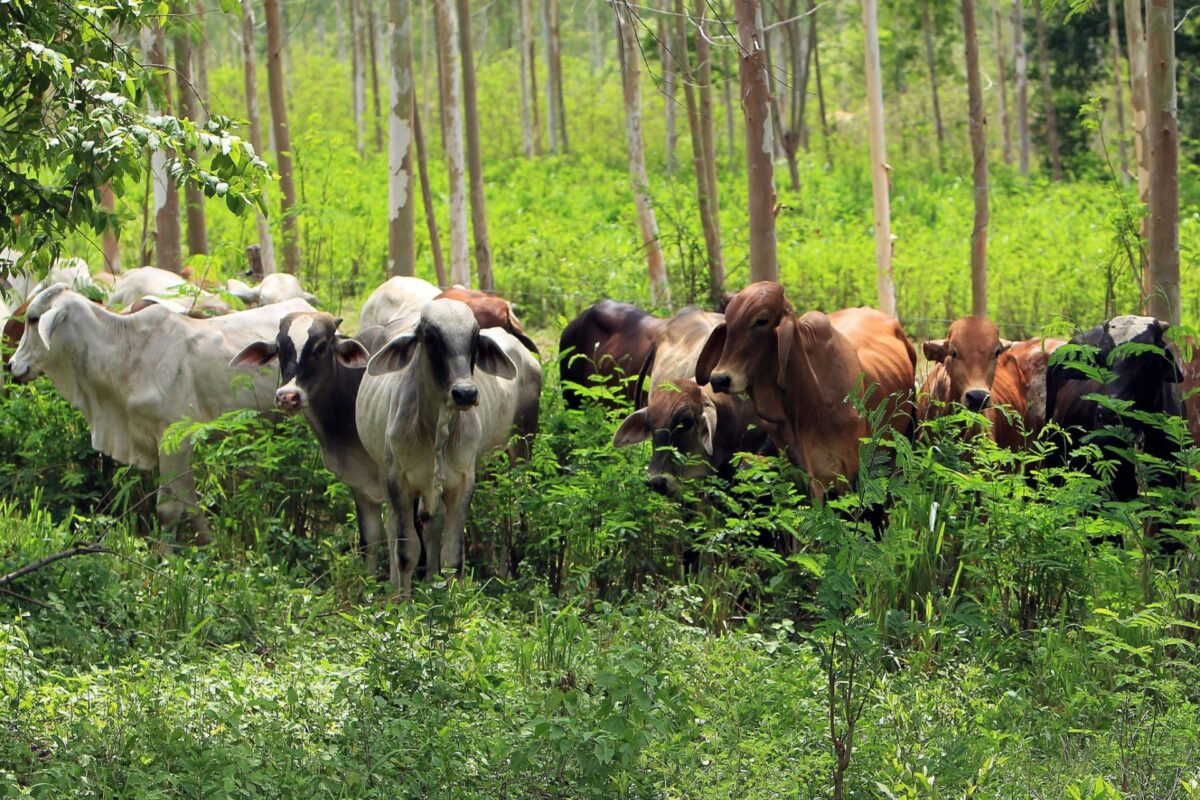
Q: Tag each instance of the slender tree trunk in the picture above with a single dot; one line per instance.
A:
(193, 196)
(359, 78)
(931, 61)
(595, 43)
(283, 136)
(426, 72)
(401, 104)
(979, 175)
(1047, 95)
(760, 150)
(526, 99)
(168, 248)
(1135, 39)
(447, 35)
(706, 192)
(885, 288)
(200, 55)
(435, 241)
(1163, 129)
(479, 225)
(667, 50)
(660, 289)
(557, 124)
(816, 51)
(371, 56)
(727, 99)
(704, 92)
(1005, 121)
(265, 241)
(112, 247)
(1020, 71)
(551, 107)
(529, 70)
(1114, 38)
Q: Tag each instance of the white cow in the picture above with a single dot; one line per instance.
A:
(133, 375)
(400, 296)
(435, 400)
(162, 287)
(274, 288)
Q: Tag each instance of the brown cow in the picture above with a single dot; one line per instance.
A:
(962, 367)
(491, 312)
(610, 340)
(798, 373)
(1020, 385)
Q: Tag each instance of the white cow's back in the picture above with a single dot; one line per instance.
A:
(132, 285)
(396, 297)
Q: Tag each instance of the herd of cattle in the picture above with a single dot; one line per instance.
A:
(404, 410)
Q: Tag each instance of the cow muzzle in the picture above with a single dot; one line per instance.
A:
(464, 396)
(721, 382)
(21, 372)
(663, 484)
(977, 399)
(289, 399)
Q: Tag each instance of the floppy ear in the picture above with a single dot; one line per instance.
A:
(394, 355)
(254, 355)
(710, 354)
(48, 322)
(936, 349)
(708, 426)
(635, 428)
(785, 334)
(492, 359)
(350, 353)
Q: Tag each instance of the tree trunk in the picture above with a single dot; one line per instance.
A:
(660, 289)
(667, 51)
(557, 123)
(595, 43)
(1114, 38)
(1135, 38)
(1005, 121)
(1020, 72)
(704, 91)
(979, 175)
(193, 195)
(435, 242)
(200, 55)
(446, 22)
(528, 98)
(168, 249)
(371, 57)
(283, 136)
(265, 241)
(426, 72)
(479, 225)
(701, 159)
(112, 247)
(401, 104)
(760, 149)
(1047, 95)
(816, 51)
(359, 74)
(931, 61)
(884, 287)
(1163, 128)
(727, 99)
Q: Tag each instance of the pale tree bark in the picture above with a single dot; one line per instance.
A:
(193, 196)
(200, 56)
(1163, 129)
(401, 260)
(557, 123)
(760, 147)
(704, 95)
(479, 225)
(1135, 39)
(727, 100)
(666, 49)
(1021, 81)
(706, 192)
(1001, 78)
(111, 247)
(1114, 39)
(1047, 95)
(372, 46)
(426, 72)
(435, 241)
(660, 289)
(358, 74)
(595, 43)
(283, 136)
(979, 174)
(265, 241)
(446, 22)
(931, 61)
(168, 248)
(530, 140)
(884, 287)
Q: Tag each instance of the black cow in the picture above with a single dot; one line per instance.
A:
(608, 339)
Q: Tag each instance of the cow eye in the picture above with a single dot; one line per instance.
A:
(319, 349)
(761, 322)
(953, 353)
(686, 423)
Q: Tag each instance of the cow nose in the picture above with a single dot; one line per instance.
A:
(287, 399)
(720, 383)
(659, 483)
(464, 395)
(978, 399)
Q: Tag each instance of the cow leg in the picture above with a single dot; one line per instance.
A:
(403, 530)
(457, 503)
(177, 494)
(370, 523)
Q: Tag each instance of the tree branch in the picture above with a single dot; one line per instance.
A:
(86, 548)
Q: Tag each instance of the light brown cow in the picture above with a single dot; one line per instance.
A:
(1020, 385)
(799, 373)
(962, 367)
(491, 312)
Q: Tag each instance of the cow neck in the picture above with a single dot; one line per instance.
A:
(824, 371)
(331, 408)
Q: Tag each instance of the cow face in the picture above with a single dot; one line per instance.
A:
(747, 344)
(309, 350)
(46, 313)
(968, 354)
(1139, 375)
(681, 421)
(447, 344)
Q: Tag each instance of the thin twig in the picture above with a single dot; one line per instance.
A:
(78, 550)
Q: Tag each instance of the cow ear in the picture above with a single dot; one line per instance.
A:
(492, 359)
(257, 354)
(936, 349)
(48, 322)
(635, 428)
(351, 353)
(394, 355)
(708, 426)
(785, 334)
(710, 354)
